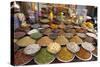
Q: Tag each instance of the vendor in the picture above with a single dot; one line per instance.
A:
(15, 9)
(19, 18)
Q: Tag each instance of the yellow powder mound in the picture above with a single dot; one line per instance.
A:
(54, 47)
(64, 55)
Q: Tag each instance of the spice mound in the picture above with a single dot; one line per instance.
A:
(76, 39)
(54, 48)
(36, 35)
(44, 41)
(44, 57)
(20, 58)
(82, 35)
(92, 35)
(25, 41)
(19, 34)
(84, 54)
(73, 47)
(65, 55)
(69, 35)
(32, 49)
(62, 40)
(89, 39)
(32, 31)
(88, 46)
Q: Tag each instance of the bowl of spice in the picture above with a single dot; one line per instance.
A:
(25, 41)
(54, 48)
(32, 49)
(76, 39)
(36, 35)
(88, 46)
(44, 41)
(83, 54)
(44, 57)
(92, 35)
(19, 34)
(20, 58)
(82, 35)
(62, 40)
(73, 47)
(65, 55)
(32, 31)
(69, 35)
(90, 40)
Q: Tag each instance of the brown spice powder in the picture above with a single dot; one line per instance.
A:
(20, 58)
(83, 53)
(44, 41)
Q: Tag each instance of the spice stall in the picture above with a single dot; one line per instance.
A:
(44, 33)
